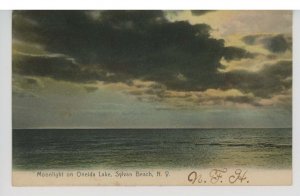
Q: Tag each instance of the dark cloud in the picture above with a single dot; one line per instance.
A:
(234, 53)
(131, 44)
(271, 80)
(237, 87)
(58, 68)
(264, 83)
(274, 43)
(200, 12)
(277, 44)
(250, 39)
(120, 46)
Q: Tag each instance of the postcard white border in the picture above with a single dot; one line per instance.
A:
(152, 4)
(6, 188)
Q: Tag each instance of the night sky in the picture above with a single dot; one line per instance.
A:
(152, 69)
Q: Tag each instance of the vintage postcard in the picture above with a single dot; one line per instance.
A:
(136, 97)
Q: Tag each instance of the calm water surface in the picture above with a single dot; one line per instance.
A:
(149, 148)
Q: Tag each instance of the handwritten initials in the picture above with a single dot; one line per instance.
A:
(216, 175)
(238, 176)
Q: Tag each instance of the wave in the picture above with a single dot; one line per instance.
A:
(266, 145)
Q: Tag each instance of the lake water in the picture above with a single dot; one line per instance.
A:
(151, 148)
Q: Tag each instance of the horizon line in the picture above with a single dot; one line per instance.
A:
(111, 128)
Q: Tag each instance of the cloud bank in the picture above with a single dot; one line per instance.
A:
(181, 61)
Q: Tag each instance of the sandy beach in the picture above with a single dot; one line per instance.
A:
(154, 177)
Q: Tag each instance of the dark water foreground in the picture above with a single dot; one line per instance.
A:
(151, 148)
